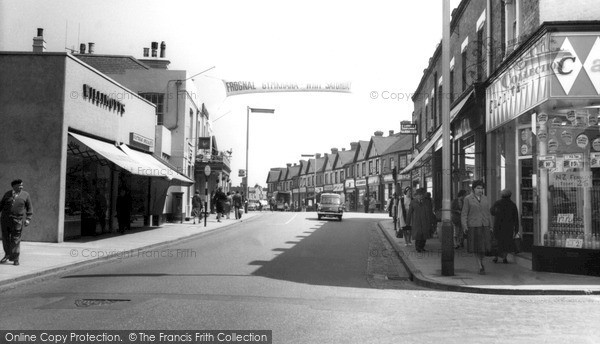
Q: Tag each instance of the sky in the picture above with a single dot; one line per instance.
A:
(381, 47)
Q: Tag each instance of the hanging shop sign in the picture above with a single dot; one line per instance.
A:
(408, 128)
(349, 184)
(573, 160)
(547, 161)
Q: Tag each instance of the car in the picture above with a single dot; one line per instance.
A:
(330, 205)
(252, 205)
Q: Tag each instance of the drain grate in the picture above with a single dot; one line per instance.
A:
(97, 302)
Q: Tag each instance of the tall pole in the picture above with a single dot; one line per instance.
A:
(447, 229)
(247, 188)
(315, 195)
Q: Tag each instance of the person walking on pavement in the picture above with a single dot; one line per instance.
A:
(476, 219)
(237, 205)
(456, 208)
(219, 201)
(197, 207)
(506, 224)
(228, 203)
(16, 213)
(124, 204)
(419, 216)
(403, 224)
(366, 203)
(100, 207)
(372, 203)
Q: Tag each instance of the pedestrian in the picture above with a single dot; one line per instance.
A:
(476, 219)
(434, 220)
(403, 224)
(197, 207)
(372, 203)
(366, 203)
(123, 206)
(227, 205)
(237, 205)
(456, 208)
(16, 213)
(419, 217)
(390, 205)
(506, 224)
(100, 207)
(219, 202)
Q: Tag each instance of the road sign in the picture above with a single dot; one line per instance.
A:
(241, 173)
(207, 170)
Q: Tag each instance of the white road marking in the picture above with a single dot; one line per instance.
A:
(290, 220)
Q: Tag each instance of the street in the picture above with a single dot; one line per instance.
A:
(308, 281)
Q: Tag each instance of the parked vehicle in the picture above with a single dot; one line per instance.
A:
(330, 205)
(252, 205)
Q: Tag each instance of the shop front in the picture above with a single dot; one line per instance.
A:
(545, 142)
(351, 195)
(361, 193)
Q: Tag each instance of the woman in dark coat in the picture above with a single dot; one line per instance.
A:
(420, 216)
(506, 224)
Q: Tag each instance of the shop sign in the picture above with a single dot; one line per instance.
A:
(388, 178)
(295, 191)
(574, 243)
(576, 64)
(374, 180)
(303, 189)
(361, 182)
(596, 144)
(319, 189)
(101, 99)
(338, 187)
(547, 161)
(405, 176)
(349, 184)
(594, 159)
(134, 137)
(523, 85)
(328, 187)
(582, 141)
(573, 179)
(408, 128)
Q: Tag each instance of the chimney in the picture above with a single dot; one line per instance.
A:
(318, 155)
(288, 165)
(378, 133)
(90, 47)
(82, 48)
(343, 149)
(295, 164)
(39, 45)
(353, 145)
(146, 52)
(163, 49)
(154, 48)
(334, 150)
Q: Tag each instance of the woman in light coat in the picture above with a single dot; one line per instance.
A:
(477, 221)
(403, 224)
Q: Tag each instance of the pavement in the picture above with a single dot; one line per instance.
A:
(515, 278)
(43, 259)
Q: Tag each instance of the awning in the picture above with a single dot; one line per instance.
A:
(134, 162)
(150, 166)
(455, 110)
(109, 152)
(424, 151)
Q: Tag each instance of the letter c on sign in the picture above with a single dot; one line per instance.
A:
(561, 65)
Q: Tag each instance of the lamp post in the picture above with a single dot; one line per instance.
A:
(248, 111)
(315, 175)
(447, 229)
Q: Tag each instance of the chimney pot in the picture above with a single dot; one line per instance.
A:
(343, 149)
(163, 48)
(334, 150)
(146, 52)
(378, 133)
(391, 133)
(90, 47)
(353, 145)
(40, 32)
(154, 46)
(288, 164)
(318, 155)
(82, 48)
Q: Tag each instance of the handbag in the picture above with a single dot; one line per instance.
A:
(517, 240)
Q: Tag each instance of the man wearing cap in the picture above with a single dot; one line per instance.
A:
(16, 210)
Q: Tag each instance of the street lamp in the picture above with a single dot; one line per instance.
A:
(248, 111)
(315, 182)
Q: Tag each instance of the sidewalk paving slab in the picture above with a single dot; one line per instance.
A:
(42, 259)
(515, 278)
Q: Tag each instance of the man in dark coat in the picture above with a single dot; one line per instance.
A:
(219, 201)
(420, 216)
(237, 205)
(506, 224)
(16, 213)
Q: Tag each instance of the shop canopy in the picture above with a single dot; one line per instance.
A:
(425, 150)
(135, 162)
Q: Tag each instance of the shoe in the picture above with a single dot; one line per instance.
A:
(16, 262)
(4, 260)
(505, 261)
(495, 260)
